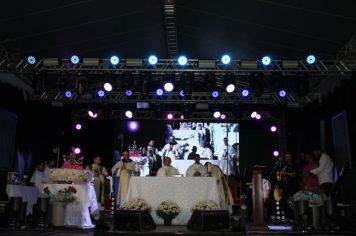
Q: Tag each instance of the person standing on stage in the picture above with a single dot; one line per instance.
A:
(167, 170)
(172, 149)
(226, 151)
(100, 174)
(154, 162)
(152, 145)
(324, 171)
(123, 169)
(289, 174)
(197, 169)
(39, 176)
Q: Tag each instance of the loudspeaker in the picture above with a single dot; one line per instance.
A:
(209, 220)
(133, 220)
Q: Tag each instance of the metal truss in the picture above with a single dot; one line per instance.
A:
(169, 18)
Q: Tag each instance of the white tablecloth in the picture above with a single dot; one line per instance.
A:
(183, 165)
(77, 212)
(185, 191)
(29, 194)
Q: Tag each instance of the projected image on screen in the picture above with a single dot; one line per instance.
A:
(217, 141)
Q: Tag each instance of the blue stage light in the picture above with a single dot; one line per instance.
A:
(31, 60)
(68, 94)
(226, 59)
(114, 60)
(159, 92)
(311, 59)
(182, 60)
(181, 93)
(215, 94)
(266, 60)
(245, 93)
(282, 93)
(152, 60)
(101, 93)
(74, 59)
(128, 92)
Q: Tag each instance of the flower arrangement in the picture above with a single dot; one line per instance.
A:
(72, 161)
(136, 204)
(63, 195)
(70, 175)
(313, 198)
(205, 206)
(168, 210)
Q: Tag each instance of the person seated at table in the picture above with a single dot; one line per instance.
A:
(39, 176)
(167, 169)
(50, 165)
(99, 177)
(191, 155)
(197, 169)
(205, 152)
(123, 169)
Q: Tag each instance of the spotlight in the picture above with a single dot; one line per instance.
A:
(92, 114)
(282, 93)
(152, 60)
(230, 88)
(181, 93)
(68, 94)
(129, 114)
(276, 153)
(107, 87)
(101, 93)
(128, 92)
(133, 126)
(223, 116)
(182, 60)
(226, 59)
(258, 116)
(168, 87)
(182, 116)
(31, 60)
(253, 114)
(78, 126)
(215, 94)
(266, 60)
(216, 114)
(311, 59)
(245, 93)
(74, 59)
(169, 116)
(159, 92)
(273, 129)
(114, 60)
(77, 150)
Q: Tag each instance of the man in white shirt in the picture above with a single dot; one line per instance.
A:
(223, 154)
(172, 149)
(39, 176)
(167, 169)
(197, 169)
(324, 171)
(205, 152)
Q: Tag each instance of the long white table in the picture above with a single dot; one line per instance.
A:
(185, 191)
(29, 194)
(77, 213)
(225, 166)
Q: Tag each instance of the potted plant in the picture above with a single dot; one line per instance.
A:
(167, 210)
(205, 206)
(136, 204)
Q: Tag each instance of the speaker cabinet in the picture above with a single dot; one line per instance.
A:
(209, 220)
(133, 220)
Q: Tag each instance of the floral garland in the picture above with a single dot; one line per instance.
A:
(314, 199)
(136, 204)
(63, 195)
(168, 210)
(205, 206)
(70, 175)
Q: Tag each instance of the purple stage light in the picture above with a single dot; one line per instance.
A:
(169, 116)
(245, 92)
(128, 92)
(273, 129)
(215, 94)
(78, 126)
(68, 94)
(223, 116)
(101, 93)
(181, 93)
(276, 153)
(258, 116)
(159, 92)
(282, 93)
(182, 117)
(133, 126)
(77, 150)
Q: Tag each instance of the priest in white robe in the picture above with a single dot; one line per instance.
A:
(39, 176)
(167, 170)
(197, 169)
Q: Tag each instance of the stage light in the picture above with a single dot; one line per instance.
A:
(311, 59)
(133, 126)
(128, 92)
(245, 93)
(78, 126)
(258, 116)
(182, 60)
(215, 94)
(152, 60)
(92, 114)
(129, 114)
(182, 117)
(222, 116)
(68, 94)
(276, 153)
(230, 88)
(216, 114)
(74, 59)
(168, 87)
(114, 60)
(107, 87)
(181, 93)
(159, 92)
(266, 60)
(282, 93)
(31, 60)
(77, 151)
(253, 114)
(101, 93)
(226, 59)
(169, 116)
(273, 129)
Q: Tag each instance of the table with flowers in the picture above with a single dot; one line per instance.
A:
(186, 192)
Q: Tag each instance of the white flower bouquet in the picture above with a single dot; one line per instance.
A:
(70, 175)
(168, 210)
(206, 206)
(136, 204)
